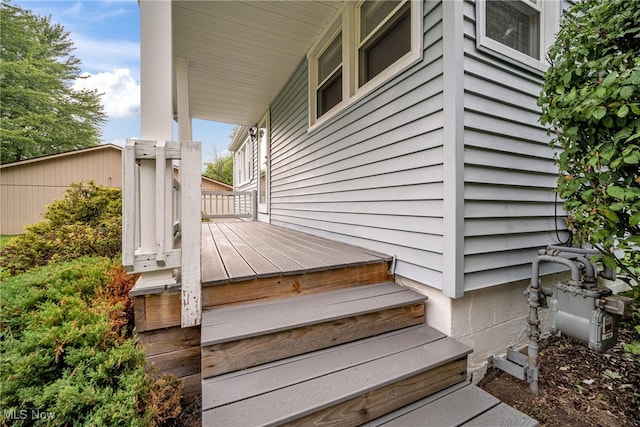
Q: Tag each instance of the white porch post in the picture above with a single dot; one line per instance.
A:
(190, 194)
(182, 94)
(156, 123)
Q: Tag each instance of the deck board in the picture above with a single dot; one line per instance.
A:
(454, 409)
(326, 252)
(258, 263)
(213, 270)
(286, 404)
(236, 267)
(283, 243)
(246, 250)
(277, 258)
(230, 388)
(238, 322)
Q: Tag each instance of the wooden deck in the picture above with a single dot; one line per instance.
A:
(246, 250)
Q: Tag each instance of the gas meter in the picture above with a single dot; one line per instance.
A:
(589, 314)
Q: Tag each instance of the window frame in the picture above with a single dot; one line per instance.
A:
(244, 160)
(347, 21)
(549, 18)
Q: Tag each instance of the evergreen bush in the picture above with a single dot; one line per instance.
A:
(86, 221)
(65, 353)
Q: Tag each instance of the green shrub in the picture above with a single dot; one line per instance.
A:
(590, 99)
(65, 354)
(87, 221)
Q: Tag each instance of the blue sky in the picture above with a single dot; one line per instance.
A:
(106, 35)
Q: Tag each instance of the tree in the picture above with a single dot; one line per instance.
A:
(221, 169)
(40, 112)
(591, 101)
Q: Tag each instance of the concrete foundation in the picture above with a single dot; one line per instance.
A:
(488, 320)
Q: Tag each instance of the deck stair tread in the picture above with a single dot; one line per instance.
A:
(248, 320)
(319, 380)
(463, 404)
(228, 388)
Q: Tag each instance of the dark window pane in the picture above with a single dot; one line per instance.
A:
(391, 44)
(330, 93)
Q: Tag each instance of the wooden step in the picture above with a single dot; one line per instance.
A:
(348, 384)
(238, 337)
(463, 404)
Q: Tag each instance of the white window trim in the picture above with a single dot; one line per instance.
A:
(549, 23)
(345, 21)
(244, 160)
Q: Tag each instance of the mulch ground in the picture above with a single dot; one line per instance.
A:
(577, 386)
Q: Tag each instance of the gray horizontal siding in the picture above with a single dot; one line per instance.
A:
(373, 175)
(509, 171)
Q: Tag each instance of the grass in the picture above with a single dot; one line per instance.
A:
(4, 239)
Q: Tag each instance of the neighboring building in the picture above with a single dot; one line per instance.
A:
(29, 186)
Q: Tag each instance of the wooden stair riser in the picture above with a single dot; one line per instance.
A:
(377, 403)
(162, 310)
(175, 351)
(272, 288)
(226, 357)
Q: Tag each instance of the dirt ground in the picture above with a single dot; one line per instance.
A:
(577, 386)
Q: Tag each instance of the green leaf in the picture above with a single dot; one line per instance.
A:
(632, 159)
(622, 111)
(608, 81)
(617, 207)
(609, 214)
(560, 90)
(626, 92)
(634, 219)
(599, 112)
(616, 192)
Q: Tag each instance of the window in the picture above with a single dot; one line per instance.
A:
(244, 162)
(329, 92)
(385, 36)
(367, 44)
(520, 30)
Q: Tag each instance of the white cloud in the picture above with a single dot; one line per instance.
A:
(120, 91)
(98, 55)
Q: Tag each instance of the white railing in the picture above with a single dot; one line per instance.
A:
(228, 204)
(148, 175)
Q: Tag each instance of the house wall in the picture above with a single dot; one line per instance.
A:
(509, 173)
(373, 175)
(27, 189)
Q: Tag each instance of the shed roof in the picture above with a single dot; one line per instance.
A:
(58, 155)
(87, 150)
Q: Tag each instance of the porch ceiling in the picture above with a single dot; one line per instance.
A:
(241, 53)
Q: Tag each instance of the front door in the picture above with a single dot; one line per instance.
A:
(264, 143)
